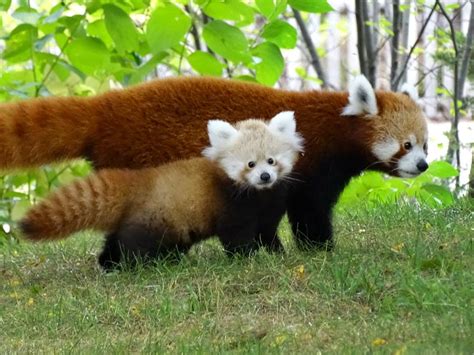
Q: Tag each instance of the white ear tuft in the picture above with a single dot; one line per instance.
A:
(283, 123)
(361, 98)
(409, 90)
(221, 134)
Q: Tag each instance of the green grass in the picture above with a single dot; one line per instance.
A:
(399, 281)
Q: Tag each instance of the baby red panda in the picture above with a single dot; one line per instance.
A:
(164, 120)
(236, 192)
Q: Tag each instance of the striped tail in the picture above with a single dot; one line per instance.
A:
(97, 202)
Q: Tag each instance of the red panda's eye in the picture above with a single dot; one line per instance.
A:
(407, 145)
(251, 164)
(425, 147)
(271, 161)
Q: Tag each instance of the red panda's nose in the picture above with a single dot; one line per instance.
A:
(422, 165)
(265, 177)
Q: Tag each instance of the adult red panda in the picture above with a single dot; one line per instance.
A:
(238, 193)
(164, 120)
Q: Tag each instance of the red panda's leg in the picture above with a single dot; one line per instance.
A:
(268, 226)
(110, 256)
(310, 214)
(137, 243)
(239, 238)
(311, 223)
(311, 203)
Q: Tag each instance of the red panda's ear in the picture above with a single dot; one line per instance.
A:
(284, 126)
(284, 122)
(221, 134)
(362, 99)
(410, 91)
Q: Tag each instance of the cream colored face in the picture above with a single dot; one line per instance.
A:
(254, 153)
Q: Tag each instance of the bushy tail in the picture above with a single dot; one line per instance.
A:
(96, 202)
(40, 131)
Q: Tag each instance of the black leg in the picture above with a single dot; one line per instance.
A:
(268, 237)
(111, 254)
(310, 203)
(239, 239)
(310, 219)
(132, 244)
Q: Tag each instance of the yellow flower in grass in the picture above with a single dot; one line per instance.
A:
(379, 342)
(299, 272)
(397, 248)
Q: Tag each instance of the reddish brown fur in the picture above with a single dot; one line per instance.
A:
(147, 197)
(164, 120)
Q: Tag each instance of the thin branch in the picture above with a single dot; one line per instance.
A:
(315, 62)
(194, 30)
(396, 82)
(382, 45)
(58, 57)
(425, 74)
(361, 38)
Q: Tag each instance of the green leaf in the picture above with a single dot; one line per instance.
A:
(265, 7)
(55, 15)
(97, 29)
(19, 43)
(281, 33)
(205, 64)
(271, 9)
(233, 10)
(166, 28)
(88, 54)
(316, 6)
(138, 75)
(270, 68)
(442, 169)
(440, 194)
(27, 15)
(121, 28)
(5, 5)
(227, 41)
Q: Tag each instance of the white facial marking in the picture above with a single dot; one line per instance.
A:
(254, 176)
(407, 165)
(385, 150)
(361, 98)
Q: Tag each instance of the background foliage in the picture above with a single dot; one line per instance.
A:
(87, 47)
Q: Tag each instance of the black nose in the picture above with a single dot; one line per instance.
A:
(422, 165)
(265, 177)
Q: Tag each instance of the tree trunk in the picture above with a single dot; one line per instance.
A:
(467, 54)
(361, 38)
(369, 45)
(405, 32)
(395, 43)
